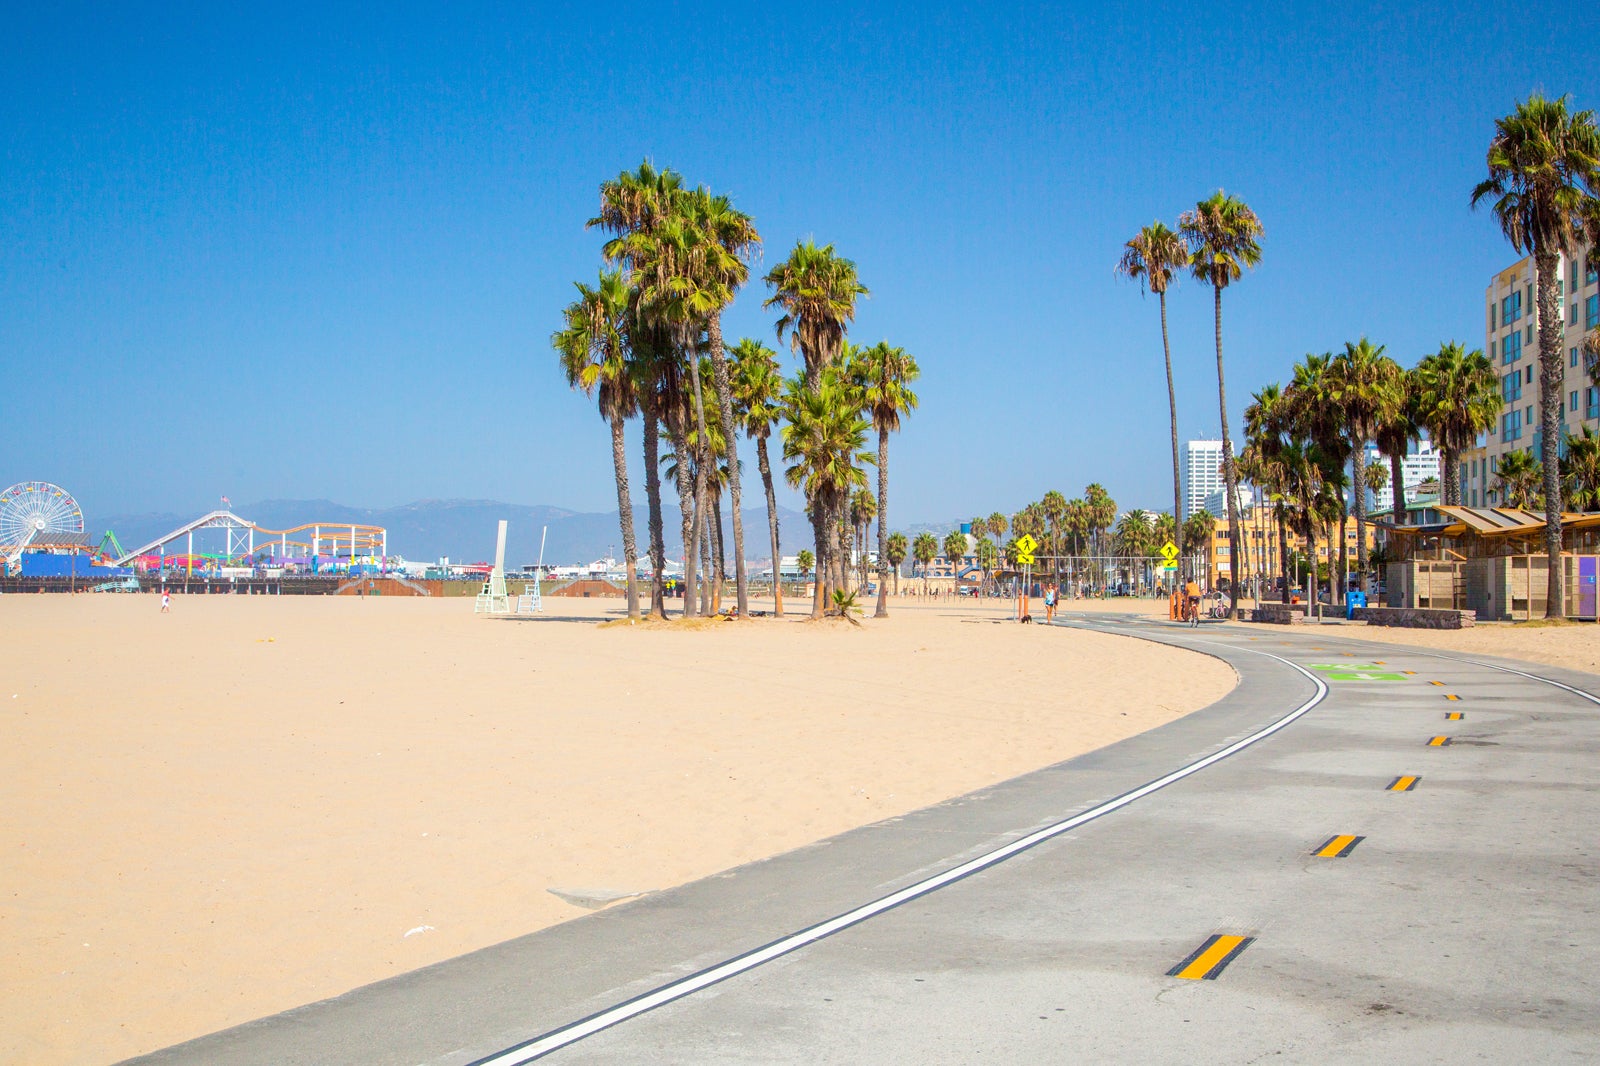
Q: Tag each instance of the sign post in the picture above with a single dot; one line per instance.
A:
(1025, 546)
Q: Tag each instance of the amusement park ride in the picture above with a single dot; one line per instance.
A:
(37, 517)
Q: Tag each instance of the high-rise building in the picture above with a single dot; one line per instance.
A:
(1511, 335)
(1202, 473)
(1417, 467)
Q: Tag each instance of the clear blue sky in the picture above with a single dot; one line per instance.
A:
(321, 255)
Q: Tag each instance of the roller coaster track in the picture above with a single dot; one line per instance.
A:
(352, 535)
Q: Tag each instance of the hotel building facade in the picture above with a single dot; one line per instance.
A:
(1511, 340)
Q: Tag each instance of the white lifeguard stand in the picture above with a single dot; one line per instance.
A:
(530, 600)
(493, 598)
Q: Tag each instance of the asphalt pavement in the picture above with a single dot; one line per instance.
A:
(1324, 866)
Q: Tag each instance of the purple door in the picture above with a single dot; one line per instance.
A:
(1586, 586)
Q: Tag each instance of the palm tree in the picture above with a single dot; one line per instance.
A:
(987, 555)
(1458, 397)
(1153, 257)
(594, 356)
(889, 374)
(997, 526)
(1198, 530)
(863, 509)
(1580, 471)
(1133, 537)
(804, 560)
(925, 549)
(1267, 419)
(1101, 511)
(955, 549)
(1360, 386)
(707, 288)
(757, 390)
(1397, 428)
(1223, 236)
(632, 204)
(895, 548)
(1054, 505)
(1318, 418)
(1544, 173)
(817, 290)
(824, 439)
(1517, 480)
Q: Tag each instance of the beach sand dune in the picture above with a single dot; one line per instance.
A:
(256, 802)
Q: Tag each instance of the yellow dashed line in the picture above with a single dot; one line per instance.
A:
(1211, 957)
(1438, 742)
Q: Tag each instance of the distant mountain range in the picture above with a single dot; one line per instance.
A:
(464, 530)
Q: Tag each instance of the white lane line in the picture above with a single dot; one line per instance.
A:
(558, 1038)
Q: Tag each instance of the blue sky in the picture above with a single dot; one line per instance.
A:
(314, 254)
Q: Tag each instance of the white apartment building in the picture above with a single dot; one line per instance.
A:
(1217, 502)
(1512, 344)
(1424, 464)
(1202, 473)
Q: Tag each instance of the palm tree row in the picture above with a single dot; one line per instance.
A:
(1306, 444)
(1215, 242)
(648, 336)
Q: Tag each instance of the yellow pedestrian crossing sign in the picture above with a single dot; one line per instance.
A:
(1025, 546)
(1169, 551)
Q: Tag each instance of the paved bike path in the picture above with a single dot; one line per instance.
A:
(1462, 921)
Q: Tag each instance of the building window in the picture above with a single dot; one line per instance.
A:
(1591, 402)
(1530, 375)
(1590, 275)
(1510, 427)
(1572, 357)
(1591, 311)
(1572, 400)
(1528, 335)
(1511, 309)
(1530, 414)
(1511, 348)
(1492, 309)
(1511, 386)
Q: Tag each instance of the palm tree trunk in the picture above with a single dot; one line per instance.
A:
(1397, 472)
(1550, 385)
(1230, 475)
(686, 511)
(1172, 406)
(819, 534)
(1359, 460)
(772, 523)
(1283, 556)
(630, 550)
(719, 374)
(1450, 491)
(882, 610)
(703, 460)
(652, 491)
(1344, 553)
(716, 539)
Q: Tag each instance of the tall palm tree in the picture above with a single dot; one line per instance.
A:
(1517, 479)
(889, 373)
(925, 549)
(1223, 236)
(896, 548)
(998, 525)
(708, 287)
(1101, 511)
(758, 390)
(824, 439)
(594, 356)
(1153, 257)
(1544, 174)
(1318, 418)
(633, 203)
(863, 509)
(1458, 397)
(1361, 387)
(817, 290)
(805, 561)
(1580, 471)
(1397, 429)
(1054, 505)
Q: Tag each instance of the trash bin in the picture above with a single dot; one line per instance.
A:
(1353, 599)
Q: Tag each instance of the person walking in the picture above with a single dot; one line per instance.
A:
(166, 600)
(1050, 596)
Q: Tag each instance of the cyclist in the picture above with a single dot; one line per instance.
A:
(1191, 602)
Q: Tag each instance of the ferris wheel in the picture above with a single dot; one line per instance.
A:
(31, 510)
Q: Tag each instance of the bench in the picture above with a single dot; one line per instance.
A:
(1416, 617)
(1280, 614)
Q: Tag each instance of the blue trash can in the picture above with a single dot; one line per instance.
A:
(1353, 599)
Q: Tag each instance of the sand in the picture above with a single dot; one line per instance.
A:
(256, 802)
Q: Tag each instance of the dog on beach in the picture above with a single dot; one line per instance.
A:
(1027, 619)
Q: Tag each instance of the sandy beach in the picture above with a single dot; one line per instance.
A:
(256, 802)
